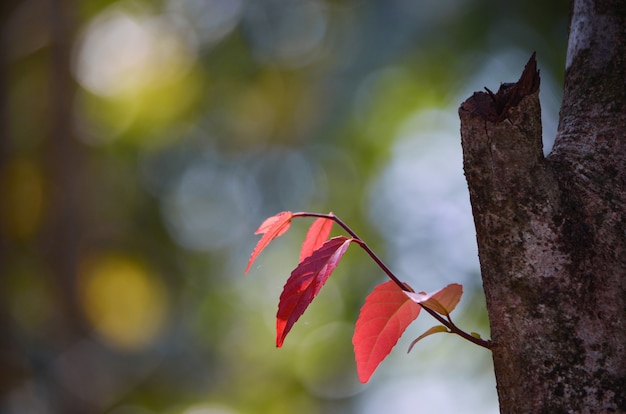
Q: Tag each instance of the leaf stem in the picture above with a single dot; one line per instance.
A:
(447, 323)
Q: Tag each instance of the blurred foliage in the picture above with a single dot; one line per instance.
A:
(142, 143)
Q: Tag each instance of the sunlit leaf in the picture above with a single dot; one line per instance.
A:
(433, 330)
(383, 318)
(442, 301)
(316, 236)
(270, 229)
(305, 283)
(269, 222)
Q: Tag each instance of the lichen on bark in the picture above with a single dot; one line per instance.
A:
(551, 234)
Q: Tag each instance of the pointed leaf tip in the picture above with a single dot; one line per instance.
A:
(383, 318)
(305, 282)
(270, 229)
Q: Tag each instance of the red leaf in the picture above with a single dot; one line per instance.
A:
(316, 236)
(270, 229)
(384, 317)
(305, 282)
(442, 301)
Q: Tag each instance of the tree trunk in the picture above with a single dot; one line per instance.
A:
(552, 230)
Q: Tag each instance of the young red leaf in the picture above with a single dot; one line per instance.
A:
(433, 330)
(442, 301)
(270, 229)
(383, 318)
(305, 283)
(316, 236)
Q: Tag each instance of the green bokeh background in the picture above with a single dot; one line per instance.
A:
(143, 142)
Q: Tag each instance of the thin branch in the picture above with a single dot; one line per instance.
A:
(447, 323)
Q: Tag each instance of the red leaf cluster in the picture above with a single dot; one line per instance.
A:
(387, 311)
(318, 258)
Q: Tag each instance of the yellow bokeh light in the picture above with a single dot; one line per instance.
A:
(139, 76)
(124, 300)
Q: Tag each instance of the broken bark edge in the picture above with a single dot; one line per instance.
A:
(495, 107)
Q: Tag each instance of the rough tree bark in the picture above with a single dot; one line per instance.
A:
(552, 230)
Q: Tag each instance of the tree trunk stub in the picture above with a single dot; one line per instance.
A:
(551, 230)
